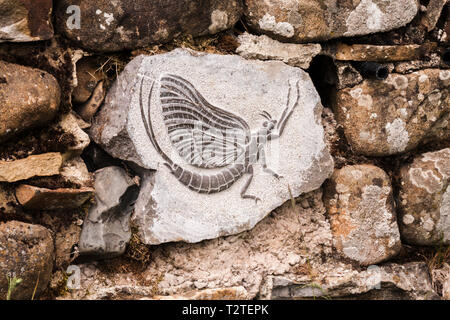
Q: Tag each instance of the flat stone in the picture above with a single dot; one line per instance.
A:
(29, 98)
(367, 52)
(35, 198)
(314, 20)
(167, 210)
(425, 199)
(265, 48)
(360, 206)
(25, 20)
(106, 231)
(395, 115)
(119, 25)
(43, 165)
(26, 253)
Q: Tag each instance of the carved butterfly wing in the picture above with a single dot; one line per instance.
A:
(204, 135)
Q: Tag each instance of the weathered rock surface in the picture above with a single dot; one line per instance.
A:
(89, 74)
(119, 25)
(166, 209)
(28, 98)
(265, 48)
(8, 202)
(425, 199)
(42, 165)
(35, 198)
(441, 280)
(367, 52)
(409, 281)
(106, 231)
(25, 20)
(360, 206)
(26, 252)
(314, 20)
(70, 125)
(75, 172)
(395, 115)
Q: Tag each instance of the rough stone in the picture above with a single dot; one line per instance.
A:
(29, 98)
(88, 109)
(106, 231)
(119, 25)
(285, 242)
(409, 281)
(8, 202)
(395, 115)
(314, 20)
(69, 124)
(414, 65)
(35, 198)
(431, 16)
(441, 280)
(43, 165)
(367, 52)
(346, 75)
(360, 206)
(75, 172)
(424, 199)
(233, 293)
(89, 74)
(25, 20)
(166, 209)
(26, 252)
(265, 48)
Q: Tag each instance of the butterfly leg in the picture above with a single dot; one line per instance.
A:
(247, 184)
(262, 157)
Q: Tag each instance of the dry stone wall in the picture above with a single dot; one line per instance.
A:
(239, 149)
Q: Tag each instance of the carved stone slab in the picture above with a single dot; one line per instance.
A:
(203, 191)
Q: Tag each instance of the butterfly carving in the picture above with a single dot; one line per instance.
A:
(209, 137)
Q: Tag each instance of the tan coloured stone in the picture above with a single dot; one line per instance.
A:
(394, 115)
(367, 52)
(29, 98)
(70, 124)
(233, 293)
(265, 48)
(425, 199)
(317, 20)
(431, 17)
(43, 165)
(88, 76)
(35, 198)
(74, 171)
(360, 206)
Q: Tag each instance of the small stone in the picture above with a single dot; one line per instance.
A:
(265, 48)
(104, 26)
(392, 116)
(88, 76)
(360, 205)
(168, 210)
(367, 52)
(35, 198)
(70, 125)
(23, 21)
(232, 293)
(347, 75)
(414, 65)
(106, 230)
(26, 252)
(29, 98)
(313, 20)
(426, 212)
(89, 109)
(43, 165)
(433, 12)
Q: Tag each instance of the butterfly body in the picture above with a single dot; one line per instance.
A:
(208, 137)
